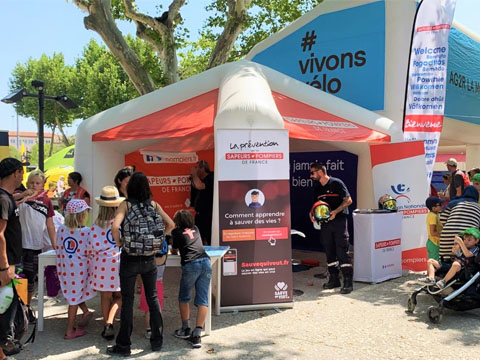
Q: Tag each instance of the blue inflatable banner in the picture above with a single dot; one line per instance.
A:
(340, 164)
(463, 78)
(346, 61)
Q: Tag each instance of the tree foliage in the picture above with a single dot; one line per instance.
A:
(34, 151)
(231, 29)
(59, 79)
(15, 153)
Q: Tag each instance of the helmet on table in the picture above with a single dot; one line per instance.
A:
(320, 211)
(387, 202)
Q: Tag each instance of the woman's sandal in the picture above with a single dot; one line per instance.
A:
(85, 319)
(76, 333)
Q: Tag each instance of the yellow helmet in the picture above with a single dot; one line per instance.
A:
(321, 211)
(387, 202)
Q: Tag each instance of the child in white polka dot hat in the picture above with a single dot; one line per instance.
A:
(105, 255)
(73, 264)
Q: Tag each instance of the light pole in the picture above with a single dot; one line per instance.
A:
(63, 100)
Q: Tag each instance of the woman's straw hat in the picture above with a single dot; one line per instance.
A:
(109, 197)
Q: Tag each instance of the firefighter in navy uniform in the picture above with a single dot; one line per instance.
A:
(334, 232)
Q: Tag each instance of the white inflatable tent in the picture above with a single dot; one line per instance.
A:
(241, 95)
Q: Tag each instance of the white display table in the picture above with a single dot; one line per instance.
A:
(216, 253)
(377, 248)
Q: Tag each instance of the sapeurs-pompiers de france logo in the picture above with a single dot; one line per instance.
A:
(400, 190)
(281, 290)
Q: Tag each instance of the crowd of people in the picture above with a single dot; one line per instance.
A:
(453, 224)
(127, 240)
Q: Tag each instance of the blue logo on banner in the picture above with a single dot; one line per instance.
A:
(347, 61)
(70, 245)
(109, 237)
(340, 164)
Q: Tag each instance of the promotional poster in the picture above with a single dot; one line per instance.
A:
(254, 216)
(169, 175)
(335, 58)
(392, 166)
(339, 164)
(427, 76)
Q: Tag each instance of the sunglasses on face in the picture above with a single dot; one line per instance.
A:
(313, 172)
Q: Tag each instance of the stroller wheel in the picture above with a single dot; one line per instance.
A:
(411, 304)
(434, 314)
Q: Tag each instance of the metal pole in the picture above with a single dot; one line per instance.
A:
(18, 135)
(40, 128)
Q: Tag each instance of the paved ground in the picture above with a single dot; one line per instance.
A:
(369, 323)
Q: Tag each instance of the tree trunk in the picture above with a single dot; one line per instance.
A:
(52, 139)
(101, 21)
(64, 137)
(237, 16)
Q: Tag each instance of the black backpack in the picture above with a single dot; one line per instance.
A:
(14, 325)
(143, 229)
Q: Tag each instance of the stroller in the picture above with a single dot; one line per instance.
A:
(460, 294)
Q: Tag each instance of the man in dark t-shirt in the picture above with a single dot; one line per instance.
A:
(456, 179)
(11, 175)
(202, 199)
(334, 232)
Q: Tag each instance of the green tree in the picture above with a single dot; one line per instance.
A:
(15, 153)
(34, 152)
(58, 79)
(100, 81)
(234, 27)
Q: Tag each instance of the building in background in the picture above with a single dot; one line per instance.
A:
(30, 138)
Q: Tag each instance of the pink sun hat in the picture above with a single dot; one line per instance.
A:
(76, 206)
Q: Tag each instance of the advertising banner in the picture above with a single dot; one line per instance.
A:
(392, 166)
(463, 87)
(332, 57)
(169, 175)
(427, 76)
(4, 145)
(254, 216)
(340, 164)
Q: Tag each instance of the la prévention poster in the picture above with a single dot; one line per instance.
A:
(254, 216)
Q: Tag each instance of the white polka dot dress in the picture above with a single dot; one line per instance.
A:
(105, 255)
(73, 264)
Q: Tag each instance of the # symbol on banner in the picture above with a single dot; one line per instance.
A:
(272, 241)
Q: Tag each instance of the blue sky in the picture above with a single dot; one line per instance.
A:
(33, 27)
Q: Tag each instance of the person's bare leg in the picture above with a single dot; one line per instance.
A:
(453, 270)
(139, 284)
(147, 319)
(105, 304)
(115, 306)
(184, 310)
(432, 265)
(72, 313)
(201, 315)
(2, 354)
(84, 308)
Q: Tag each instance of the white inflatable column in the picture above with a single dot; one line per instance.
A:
(473, 157)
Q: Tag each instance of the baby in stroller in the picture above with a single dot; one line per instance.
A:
(465, 252)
